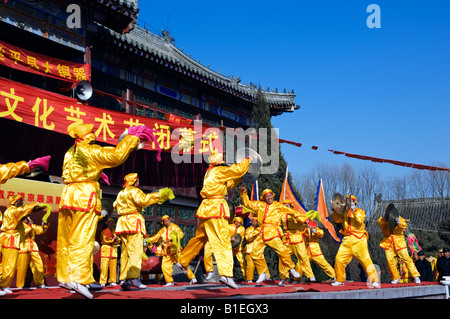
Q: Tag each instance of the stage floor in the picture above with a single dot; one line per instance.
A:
(182, 290)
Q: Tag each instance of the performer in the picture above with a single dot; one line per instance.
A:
(293, 239)
(29, 254)
(11, 170)
(394, 244)
(237, 228)
(131, 227)
(354, 243)
(312, 237)
(108, 254)
(12, 235)
(80, 206)
(213, 215)
(254, 253)
(269, 213)
(168, 233)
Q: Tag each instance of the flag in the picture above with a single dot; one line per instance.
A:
(287, 193)
(255, 192)
(321, 207)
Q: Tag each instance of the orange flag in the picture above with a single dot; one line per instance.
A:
(287, 193)
(321, 207)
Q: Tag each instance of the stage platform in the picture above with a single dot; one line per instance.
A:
(351, 290)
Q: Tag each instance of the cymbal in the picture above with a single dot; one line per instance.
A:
(391, 215)
(338, 203)
(256, 164)
(237, 241)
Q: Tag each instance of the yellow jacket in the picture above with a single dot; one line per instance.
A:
(269, 216)
(30, 232)
(254, 243)
(391, 237)
(293, 228)
(312, 241)
(239, 230)
(11, 170)
(129, 203)
(353, 222)
(109, 242)
(217, 181)
(12, 228)
(163, 235)
(83, 168)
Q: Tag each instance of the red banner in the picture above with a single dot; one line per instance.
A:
(55, 112)
(28, 61)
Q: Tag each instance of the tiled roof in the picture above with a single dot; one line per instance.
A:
(163, 48)
(423, 213)
(130, 4)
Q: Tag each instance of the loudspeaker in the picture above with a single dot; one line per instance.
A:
(83, 90)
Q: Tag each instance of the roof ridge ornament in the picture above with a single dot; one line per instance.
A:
(167, 37)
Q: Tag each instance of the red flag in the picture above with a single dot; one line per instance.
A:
(321, 207)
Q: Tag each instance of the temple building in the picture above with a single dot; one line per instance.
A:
(50, 50)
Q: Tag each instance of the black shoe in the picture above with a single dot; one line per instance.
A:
(126, 285)
(94, 287)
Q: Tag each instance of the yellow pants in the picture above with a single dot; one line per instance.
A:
(260, 264)
(240, 257)
(352, 246)
(32, 259)
(392, 262)
(167, 268)
(284, 256)
(9, 265)
(75, 245)
(131, 257)
(323, 264)
(216, 232)
(208, 258)
(303, 264)
(108, 265)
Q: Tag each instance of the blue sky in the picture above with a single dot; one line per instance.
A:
(377, 92)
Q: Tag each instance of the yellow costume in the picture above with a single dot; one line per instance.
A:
(208, 260)
(213, 215)
(254, 253)
(315, 253)
(293, 239)
(108, 255)
(394, 244)
(131, 225)
(170, 250)
(10, 170)
(12, 235)
(29, 256)
(238, 252)
(269, 218)
(354, 244)
(80, 206)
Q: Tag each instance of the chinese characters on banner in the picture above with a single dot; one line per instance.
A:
(54, 112)
(28, 61)
(31, 192)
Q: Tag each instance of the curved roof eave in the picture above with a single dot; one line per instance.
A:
(163, 47)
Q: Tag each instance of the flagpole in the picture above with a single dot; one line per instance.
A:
(284, 184)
